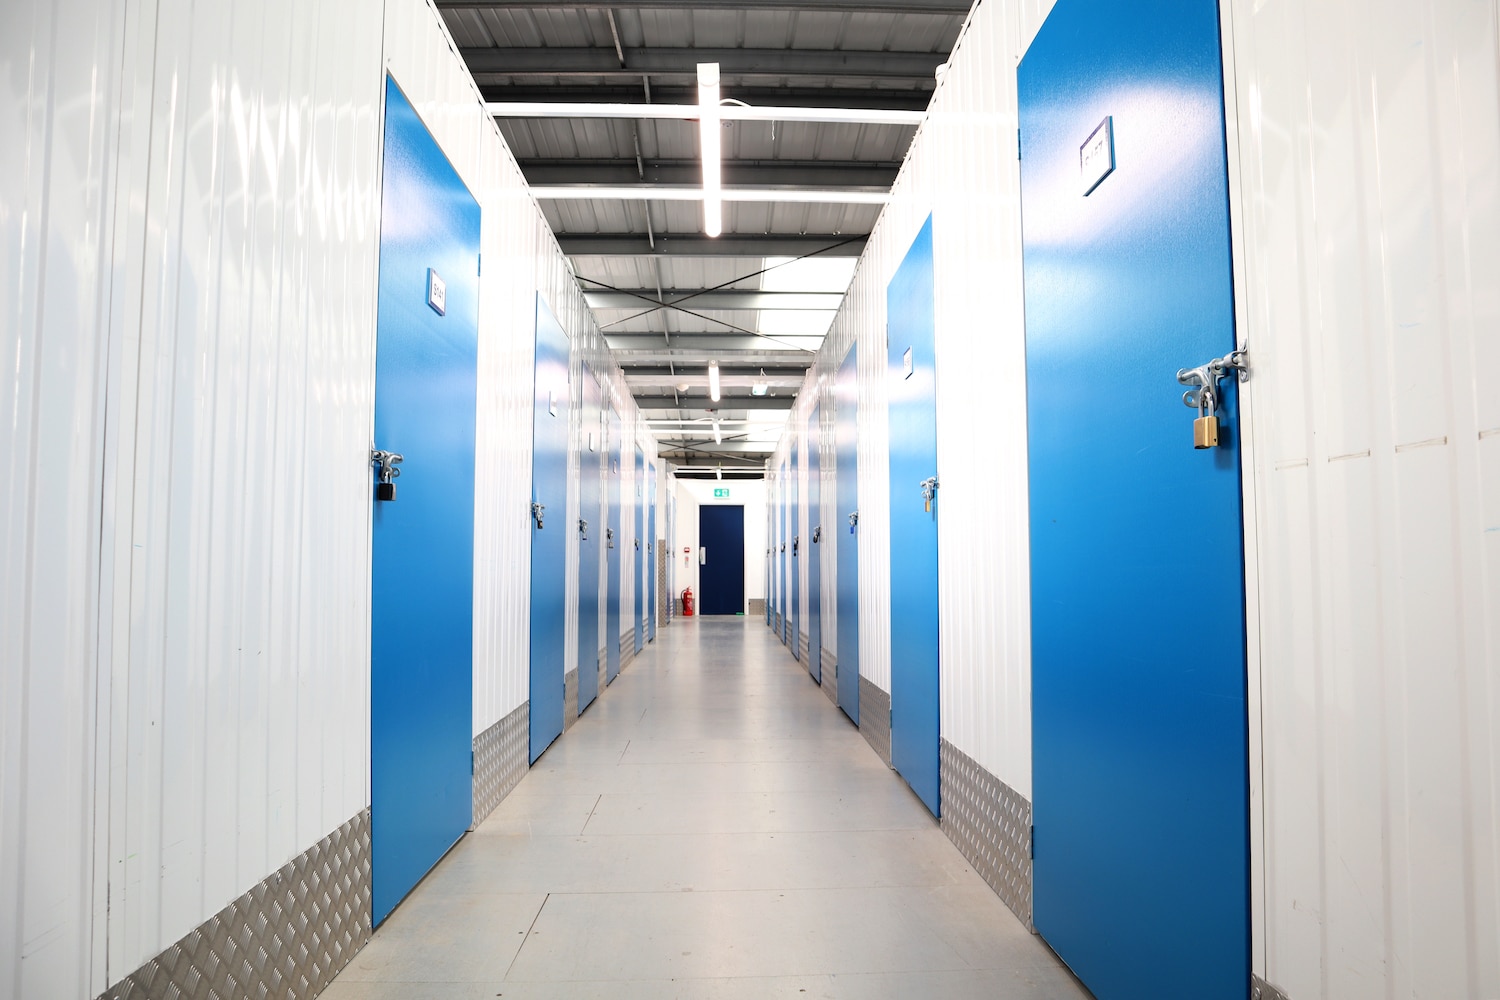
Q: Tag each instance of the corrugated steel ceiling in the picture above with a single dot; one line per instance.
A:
(879, 54)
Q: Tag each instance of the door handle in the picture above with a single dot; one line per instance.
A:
(702, 555)
(537, 512)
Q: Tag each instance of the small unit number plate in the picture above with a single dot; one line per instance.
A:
(1096, 157)
(437, 293)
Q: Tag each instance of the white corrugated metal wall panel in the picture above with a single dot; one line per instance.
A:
(235, 583)
(983, 539)
(1370, 164)
(962, 168)
(203, 295)
(58, 93)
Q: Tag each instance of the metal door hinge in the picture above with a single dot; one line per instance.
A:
(1032, 845)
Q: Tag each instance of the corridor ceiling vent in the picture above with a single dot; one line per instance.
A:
(608, 115)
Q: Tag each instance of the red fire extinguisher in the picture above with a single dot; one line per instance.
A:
(687, 603)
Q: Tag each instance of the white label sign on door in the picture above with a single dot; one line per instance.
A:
(1096, 157)
(437, 293)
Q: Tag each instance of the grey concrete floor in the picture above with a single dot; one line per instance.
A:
(711, 827)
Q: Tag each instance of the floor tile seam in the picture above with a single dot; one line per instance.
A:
(780, 760)
(527, 935)
(742, 833)
(839, 831)
(723, 891)
(711, 979)
(625, 978)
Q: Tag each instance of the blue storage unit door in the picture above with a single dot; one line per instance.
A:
(590, 529)
(1138, 629)
(814, 552)
(638, 521)
(786, 557)
(845, 530)
(650, 552)
(422, 591)
(549, 538)
(613, 564)
(794, 556)
(721, 538)
(912, 376)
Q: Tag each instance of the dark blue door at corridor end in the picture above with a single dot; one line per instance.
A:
(910, 319)
(549, 485)
(721, 537)
(1138, 630)
(422, 599)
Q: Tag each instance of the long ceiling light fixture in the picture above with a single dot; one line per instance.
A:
(718, 435)
(709, 139)
(713, 380)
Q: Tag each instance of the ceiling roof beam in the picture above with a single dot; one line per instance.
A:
(703, 403)
(665, 192)
(656, 344)
(601, 62)
(689, 112)
(695, 379)
(736, 173)
(911, 96)
(701, 443)
(728, 298)
(728, 245)
(756, 373)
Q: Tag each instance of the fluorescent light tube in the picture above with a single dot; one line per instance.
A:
(718, 437)
(713, 380)
(719, 472)
(709, 136)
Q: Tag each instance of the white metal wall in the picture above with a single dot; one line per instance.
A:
(961, 168)
(1370, 242)
(189, 216)
(234, 618)
(58, 91)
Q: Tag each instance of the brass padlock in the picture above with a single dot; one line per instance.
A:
(1206, 432)
(929, 490)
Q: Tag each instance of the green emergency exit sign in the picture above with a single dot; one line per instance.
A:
(720, 493)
